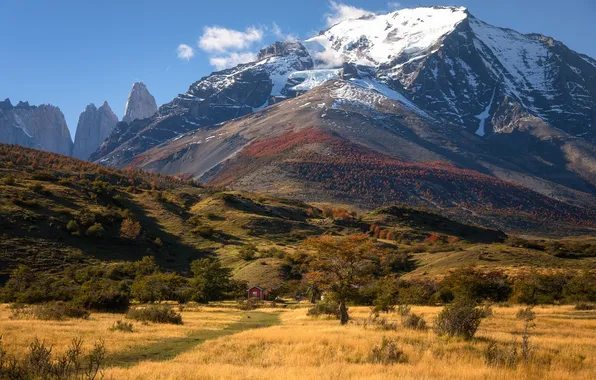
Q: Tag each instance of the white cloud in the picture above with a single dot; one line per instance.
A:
(232, 59)
(185, 52)
(329, 59)
(216, 39)
(340, 12)
(279, 34)
(394, 5)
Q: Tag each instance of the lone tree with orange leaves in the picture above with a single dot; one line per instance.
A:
(341, 265)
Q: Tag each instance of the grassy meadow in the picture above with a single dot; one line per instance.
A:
(286, 343)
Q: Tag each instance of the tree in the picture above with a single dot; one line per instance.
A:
(130, 229)
(211, 280)
(341, 265)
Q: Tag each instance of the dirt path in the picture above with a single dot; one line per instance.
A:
(166, 349)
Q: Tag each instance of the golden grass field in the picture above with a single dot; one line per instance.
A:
(563, 342)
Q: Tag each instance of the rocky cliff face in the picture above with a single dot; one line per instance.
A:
(95, 125)
(140, 104)
(42, 127)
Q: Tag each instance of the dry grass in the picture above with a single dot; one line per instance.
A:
(302, 348)
(563, 341)
(17, 334)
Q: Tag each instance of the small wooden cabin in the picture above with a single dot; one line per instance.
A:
(256, 292)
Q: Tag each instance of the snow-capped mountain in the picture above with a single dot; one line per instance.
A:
(419, 85)
(442, 59)
(467, 71)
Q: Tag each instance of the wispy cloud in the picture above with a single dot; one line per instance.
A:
(185, 52)
(232, 59)
(216, 39)
(339, 12)
(394, 5)
(280, 35)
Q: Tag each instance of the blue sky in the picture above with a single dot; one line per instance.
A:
(70, 53)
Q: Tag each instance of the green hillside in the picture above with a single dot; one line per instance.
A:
(57, 212)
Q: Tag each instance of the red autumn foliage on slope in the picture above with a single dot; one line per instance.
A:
(348, 171)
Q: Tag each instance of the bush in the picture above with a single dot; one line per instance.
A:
(534, 288)
(404, 310)
(414, 322)
(581, 288)
(38, 362)
(204, 231)
(460, 319)
(52, 311)
(248, 252)
(155, 314)
(95, 230)
(387, 352)
(130, 229)
(104, 295)
(585, 306)
(39, 189)
(496, 355)
(525, 314)
(72, 226)
(161, 287)
(122, 326)
(9, 180)
(326, 307)
(250, 304)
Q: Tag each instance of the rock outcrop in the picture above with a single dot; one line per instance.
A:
(95, 125)
(42, 127)
(140, 104)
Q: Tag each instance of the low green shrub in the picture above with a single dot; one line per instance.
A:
(329, 308)
(387, 352)
(155, 314)
(414, 322)
(460, 319)
(122, 326)
(585, 306)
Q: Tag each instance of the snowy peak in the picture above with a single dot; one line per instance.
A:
(386, 39)
(140, 104)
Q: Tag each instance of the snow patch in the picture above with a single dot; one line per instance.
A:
(485, 115)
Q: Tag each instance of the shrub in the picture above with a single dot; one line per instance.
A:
(387, 352)
(9, 180)
(496, 355)
(469, 283)
(38, 362)
(204, 231)
(58, 311)
(155, 314)
(39, 189)
(130, 229)
(104, 295)
(414, 322)
(404, 310)
(460, 319)
(420, 292)
(72, 226)
(585, 306)
(525, 314)
(161, 287)
(250, 304)
(95, 230)
(122, 326)
(581, 288)
(326, 307)
(248, 252)
(534, 288)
